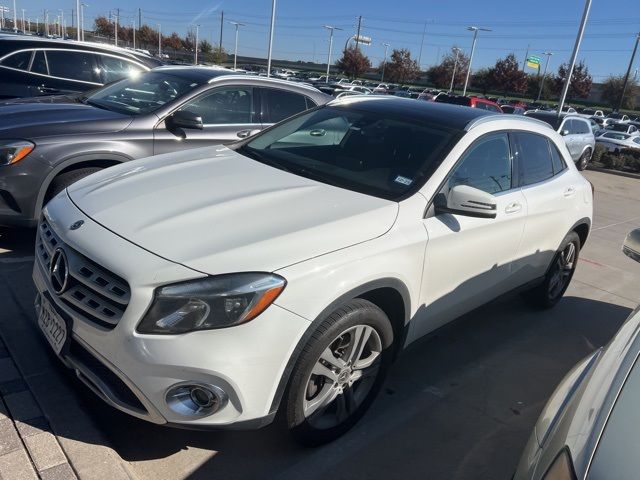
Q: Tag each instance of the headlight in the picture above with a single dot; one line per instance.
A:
(12, 151)
(561, 468)
(213, 302)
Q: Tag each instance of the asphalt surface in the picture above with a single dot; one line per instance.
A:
(457, 405)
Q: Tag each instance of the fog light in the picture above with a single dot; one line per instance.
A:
(195, 399)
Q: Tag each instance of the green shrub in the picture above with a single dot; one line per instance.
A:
(626, 159)
(598, 152)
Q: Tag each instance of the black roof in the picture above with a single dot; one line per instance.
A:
(451, 116)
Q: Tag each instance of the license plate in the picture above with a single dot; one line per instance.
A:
(52, 325)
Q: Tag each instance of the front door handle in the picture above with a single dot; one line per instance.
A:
(570, 191)
(514, 207)
(245, 133)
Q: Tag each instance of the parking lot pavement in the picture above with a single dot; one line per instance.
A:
(458, 405)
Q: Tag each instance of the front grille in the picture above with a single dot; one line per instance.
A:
(92, 291)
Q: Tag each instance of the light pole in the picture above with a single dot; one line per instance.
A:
(78, 20)
(197, 32)
(159, 41)
(15, 17)
(384, 61)
(626, 77)
(331, 29)
(24, 28)
(574, 55)
(82, 5)
(271, 28)
(117, 18)
(475, 31)
(133, 31)
(455, 67)
(61, 23)
(546, 65)
(235, 52)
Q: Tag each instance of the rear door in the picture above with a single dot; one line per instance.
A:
(69, 71)
(548, 186)
(228, 114)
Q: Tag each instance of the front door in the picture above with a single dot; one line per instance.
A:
(469, 260)
(228, 115)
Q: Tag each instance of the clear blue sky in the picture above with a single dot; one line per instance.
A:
(543, 24)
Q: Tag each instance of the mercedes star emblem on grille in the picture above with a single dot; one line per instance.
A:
(59, 271)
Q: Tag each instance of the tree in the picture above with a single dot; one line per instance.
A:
(507, 76)
(440, 75)
(581, 81)
(612, 89)
(353, 62)
(146, 36)
(103, 27)
(219, 56)
(483, 80)
(401, 68)
(533, 87)
(173, 41)
(189, 41)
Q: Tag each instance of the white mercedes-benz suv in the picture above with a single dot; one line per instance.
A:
(218, 286)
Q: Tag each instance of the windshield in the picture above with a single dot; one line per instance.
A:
(616, 136)
(142, 94)
(368, 152)
(615, 115)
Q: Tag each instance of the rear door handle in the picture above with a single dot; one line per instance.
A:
(48, 90)
(570, 191)
(513, 207)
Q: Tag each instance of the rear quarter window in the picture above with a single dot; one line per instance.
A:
(19, 60)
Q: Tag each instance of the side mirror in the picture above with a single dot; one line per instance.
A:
(631, 246)
(184, 119)
(467, 201)
(564, 132)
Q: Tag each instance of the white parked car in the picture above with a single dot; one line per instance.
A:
(590, 112)
(217, 286)
(616, 141)
(588, 429)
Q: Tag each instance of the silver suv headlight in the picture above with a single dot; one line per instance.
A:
(213, 302)
(12, 151)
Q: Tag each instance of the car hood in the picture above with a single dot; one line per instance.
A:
(216, 211)
(36, 119)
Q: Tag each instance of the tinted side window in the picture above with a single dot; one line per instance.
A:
(226, 105)
(73, 65)
(18, 60)
(39, 64)
(282, 104)
(569, 127)
(486, 165)
(535, 163)
(556, 158)
(114, 68)
(581, 127)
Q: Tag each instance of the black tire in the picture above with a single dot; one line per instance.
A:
(584, 160)
(548, 293)
(63, 180)
(357, 313)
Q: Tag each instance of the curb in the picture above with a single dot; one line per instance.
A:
(614, 172)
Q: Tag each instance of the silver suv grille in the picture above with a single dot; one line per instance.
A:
(92, 291)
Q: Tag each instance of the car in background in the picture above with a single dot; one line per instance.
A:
(618, 117)
(473, 102)
(44, 147)
(220, 287)
(512, 109)
(617, 141)
(591, 112)
(353, 88)
(576, 130)
(32, 66)
(589, 428)
(620, 127)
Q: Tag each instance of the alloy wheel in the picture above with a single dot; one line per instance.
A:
(342, 376)
(563, 268)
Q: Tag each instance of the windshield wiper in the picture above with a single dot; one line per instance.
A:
(253, 154)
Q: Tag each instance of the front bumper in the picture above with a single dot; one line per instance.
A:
(133, 372)
(19, 189)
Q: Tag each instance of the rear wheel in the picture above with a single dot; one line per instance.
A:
(584, 160)
(559, 274)
(339, 373)
(63, 180)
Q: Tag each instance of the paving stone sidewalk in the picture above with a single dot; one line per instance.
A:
(28, 447)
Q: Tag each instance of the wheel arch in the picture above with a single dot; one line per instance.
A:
(102, 160)
(582, 227)
(389, 294)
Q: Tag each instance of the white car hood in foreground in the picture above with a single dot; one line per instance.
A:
(216, 211)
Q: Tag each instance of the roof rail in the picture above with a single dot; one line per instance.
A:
(492, 118)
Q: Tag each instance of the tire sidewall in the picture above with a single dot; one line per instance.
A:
(571, 237)
(357, 312)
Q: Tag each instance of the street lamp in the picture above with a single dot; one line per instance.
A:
(78, 19)
(197, 32)
(133, 31)
(62, 23)
(626, 77)
(235, 52)
(331, 29)
(159, 41)
(384, 61)
(546, 65)
(475, 31)
(455, 67)
(271, 28)
(15, 18)
(82, 5)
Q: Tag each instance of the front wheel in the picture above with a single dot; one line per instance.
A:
(558, 276)
(339, 373)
